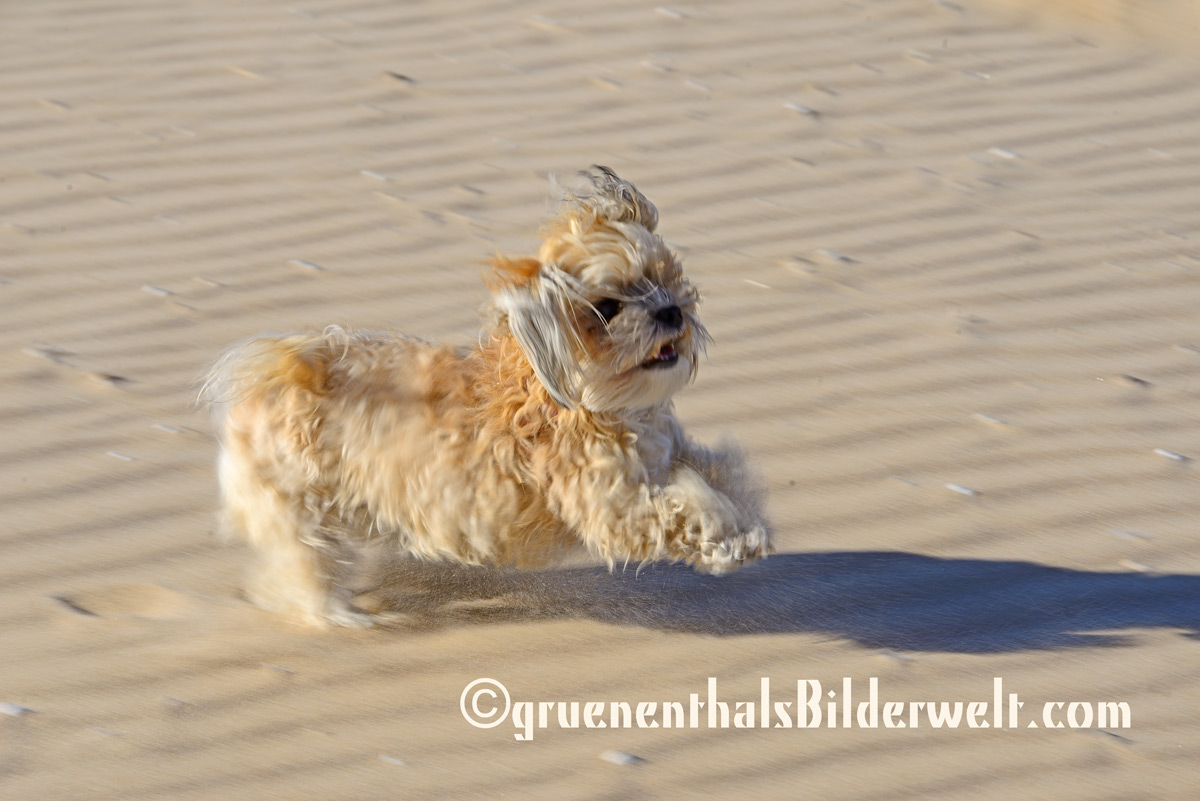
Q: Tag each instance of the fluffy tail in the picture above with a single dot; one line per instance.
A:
(270, 365)
(264, 394)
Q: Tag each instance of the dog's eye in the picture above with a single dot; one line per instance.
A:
(608, 309)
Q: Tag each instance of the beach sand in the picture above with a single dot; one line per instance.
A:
(949, 258)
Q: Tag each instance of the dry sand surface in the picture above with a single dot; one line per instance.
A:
(950, 260)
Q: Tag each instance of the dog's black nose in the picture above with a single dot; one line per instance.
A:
(671, 315)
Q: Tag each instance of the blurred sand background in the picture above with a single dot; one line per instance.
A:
(950, 256)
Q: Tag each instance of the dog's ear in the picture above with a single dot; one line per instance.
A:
(508, 272)
(539, 306)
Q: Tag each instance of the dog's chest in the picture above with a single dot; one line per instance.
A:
(655, 448)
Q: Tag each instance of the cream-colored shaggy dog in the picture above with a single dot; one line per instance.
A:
(557, 428)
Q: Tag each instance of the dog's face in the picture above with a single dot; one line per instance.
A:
(636, 319)
(604, 314)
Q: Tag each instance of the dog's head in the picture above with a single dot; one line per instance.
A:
(603, 314)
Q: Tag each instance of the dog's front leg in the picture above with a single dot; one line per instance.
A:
(715, 532)
(723, 468)
(685, 519)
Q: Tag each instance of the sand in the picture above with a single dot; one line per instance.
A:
(950, 261)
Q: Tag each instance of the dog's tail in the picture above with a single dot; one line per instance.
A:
(270, 366)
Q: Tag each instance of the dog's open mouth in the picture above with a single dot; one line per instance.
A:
(666, 356)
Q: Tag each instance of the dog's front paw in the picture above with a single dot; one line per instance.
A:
(715, 536)
(723, 556)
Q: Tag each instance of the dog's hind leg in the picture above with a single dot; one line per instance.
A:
(300, 565)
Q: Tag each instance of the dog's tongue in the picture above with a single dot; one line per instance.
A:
(666, 355)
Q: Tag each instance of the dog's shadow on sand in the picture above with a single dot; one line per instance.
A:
(901, 601)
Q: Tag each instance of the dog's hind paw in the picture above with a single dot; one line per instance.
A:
(350, 619)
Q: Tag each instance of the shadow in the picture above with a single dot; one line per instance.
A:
(901, 601)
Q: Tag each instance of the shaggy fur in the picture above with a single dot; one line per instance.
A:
(557, 428)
